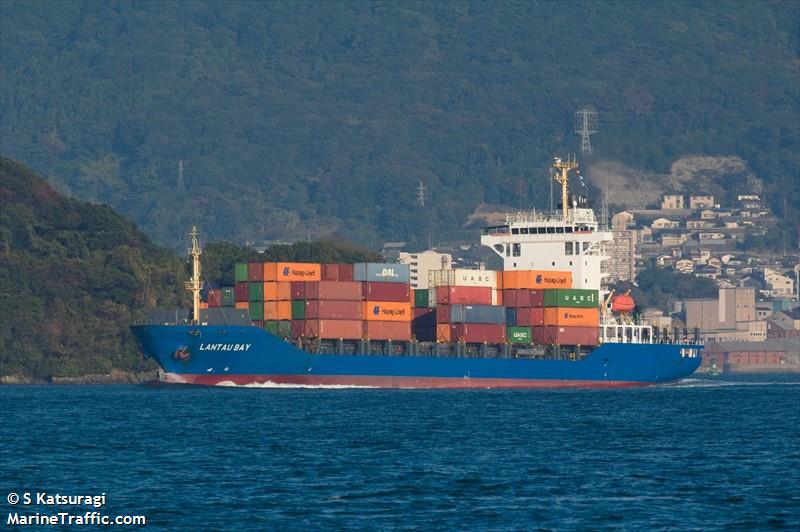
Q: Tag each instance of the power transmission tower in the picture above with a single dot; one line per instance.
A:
(585, 125)
(422, 194)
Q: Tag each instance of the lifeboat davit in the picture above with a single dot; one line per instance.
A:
(623, 303)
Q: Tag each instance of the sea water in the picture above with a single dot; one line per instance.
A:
(703, 454)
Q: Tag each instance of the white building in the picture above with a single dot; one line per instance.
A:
(421, 263)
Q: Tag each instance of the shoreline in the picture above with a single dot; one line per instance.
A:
(115, 376)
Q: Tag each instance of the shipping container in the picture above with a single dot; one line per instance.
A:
(203, 305)
(298, 289)
(214, 297)
(258, 323)
(298, 271)
(270, 291)
(256, 310)
(585, 336)
(491, 333)
(255, 271)
(255, 291)
(241, 291)
(228, 296)
(467, 295)
(381, 272)
(510, 297)
(298, 309)
(530, 297)
(572, 317)
(571, 297)
(530, 317)
(284, 291)
(333, 310)
(335, 290)
(537, 279)
(387, 311)
(271, 327)
(346, 273)
(284, 310)
(270, 310)
(442, 313)
(497, 298)
(242, 305)
(424, 318)
(329, 272)
(463, 277)
(388, 330)
(333, 329)
(374, 291)
(298, 327)
(240, 272)
(443, 332)
(477, 314)
(511, 316)
(285, 329)
(518, 335)
(421, 298)
(424, 334)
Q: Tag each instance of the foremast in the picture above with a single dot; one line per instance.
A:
(563, 167)
(194, 284)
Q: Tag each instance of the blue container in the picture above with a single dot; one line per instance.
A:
(381, 272)
(511, 317)
(477, 314)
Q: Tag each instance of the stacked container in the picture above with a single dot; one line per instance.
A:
(386, 309)
(571, 317)
(327, 308)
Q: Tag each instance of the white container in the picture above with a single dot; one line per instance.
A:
(462, 277)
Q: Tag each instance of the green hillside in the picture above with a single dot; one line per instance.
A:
(293, 117)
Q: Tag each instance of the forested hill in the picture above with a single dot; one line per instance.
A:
(73, 277)
(293, 117)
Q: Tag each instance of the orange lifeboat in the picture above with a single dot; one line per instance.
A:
(623, 303)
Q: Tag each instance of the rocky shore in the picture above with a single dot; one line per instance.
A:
(113, 377)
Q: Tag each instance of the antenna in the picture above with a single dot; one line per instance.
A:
(194, 285)
(421, 194)
(585, 125)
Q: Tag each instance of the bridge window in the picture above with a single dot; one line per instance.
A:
(586, 246)
(551, 230)
(568, 248)
(515, 231)
(524, 231)
(568, 229)
(517, 250)
(541, 230)
(508, 250)
(577, 248)
(559, 229)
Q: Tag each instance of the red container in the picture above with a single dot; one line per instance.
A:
(530, 298)
(258, 323)
(466, 295)
(298, 289)
(297, 328)
(255, 271)
(333, 310)
(345, 272)
(335, 290)
(214, 297)
(240, 291)
(388, 330)
(530, 317)
(330, 272)
(510, 297)
(424, 318)
(333, 329)
(490, 333)
(565, 335)
(387, 292)
(442, 314)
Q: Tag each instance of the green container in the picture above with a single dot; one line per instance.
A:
(518, 335)
(299, 309)
(284, 329)
(421, 298)
(228, 299)
(571, 297)
(271, 327)
(257, 310)
(240, 272)
(255, 291)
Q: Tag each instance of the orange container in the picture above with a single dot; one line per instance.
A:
(284, 310)
(443, 332)
(242, 305)
(284, 291)
(203, 305)
(298, 271)
(270, 291)
(387, 311)
(571, 317)
(270, 270)
(270, 310)
(509, 279)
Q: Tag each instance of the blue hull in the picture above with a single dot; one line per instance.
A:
(213, 355)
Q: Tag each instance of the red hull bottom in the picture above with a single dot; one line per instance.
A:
(388, 382)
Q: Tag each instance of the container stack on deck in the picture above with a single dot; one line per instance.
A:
(375, 302)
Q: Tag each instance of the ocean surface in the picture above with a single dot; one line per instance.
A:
(703, 454)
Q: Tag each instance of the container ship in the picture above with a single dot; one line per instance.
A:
(540, 322)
